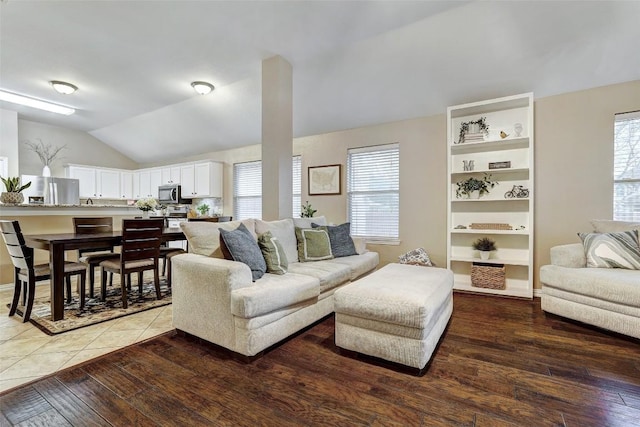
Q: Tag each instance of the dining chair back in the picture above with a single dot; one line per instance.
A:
(26, 274)
(140, 251)
(93, 256)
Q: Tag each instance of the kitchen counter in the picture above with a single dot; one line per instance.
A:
(27, 209)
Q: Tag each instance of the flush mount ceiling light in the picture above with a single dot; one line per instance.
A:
(34, 103)
(63, 87)
(202, 88)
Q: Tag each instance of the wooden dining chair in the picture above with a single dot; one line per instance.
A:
(140, 252)
(92, 257)
(26, 274)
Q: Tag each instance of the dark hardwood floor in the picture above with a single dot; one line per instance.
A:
(502, 362)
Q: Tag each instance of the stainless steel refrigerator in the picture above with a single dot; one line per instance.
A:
(51, 190)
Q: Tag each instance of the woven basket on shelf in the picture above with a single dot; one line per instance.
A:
(489, 226)
(490, 276)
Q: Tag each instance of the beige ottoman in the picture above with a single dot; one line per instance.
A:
(397, 313)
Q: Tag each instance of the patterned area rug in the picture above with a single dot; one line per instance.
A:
(95, 310)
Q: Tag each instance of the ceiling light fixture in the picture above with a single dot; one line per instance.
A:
(63, 87)
(35, 103)
(202, 88)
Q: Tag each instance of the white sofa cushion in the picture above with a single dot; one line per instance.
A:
(284, 231)
(204, 237)
(329, 274)
(611, 284)
(359, 264)
(273, 292)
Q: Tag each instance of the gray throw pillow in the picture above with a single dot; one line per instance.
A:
(242, 247)
(340, 238)
(313, 244)
(612, 250)
(273, 253)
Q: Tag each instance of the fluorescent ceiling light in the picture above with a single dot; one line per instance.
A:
(63, 87)
(35, 103)
(202, 88)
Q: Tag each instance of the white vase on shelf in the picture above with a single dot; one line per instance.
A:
(46, 170)
(485, 255)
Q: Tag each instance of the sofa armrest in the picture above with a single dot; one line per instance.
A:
(571, 255)
(201, 296)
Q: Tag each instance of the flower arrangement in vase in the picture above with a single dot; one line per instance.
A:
(146, 205)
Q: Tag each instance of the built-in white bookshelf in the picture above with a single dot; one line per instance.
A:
(505, 152)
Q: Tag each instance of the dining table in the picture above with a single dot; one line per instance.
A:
(58, 243)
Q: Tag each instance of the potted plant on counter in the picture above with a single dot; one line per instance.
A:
(203, 209)
(485, 245)
(13, 195)
(307, 211)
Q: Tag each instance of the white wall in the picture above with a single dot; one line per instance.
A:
(81, 148)
(9, 140)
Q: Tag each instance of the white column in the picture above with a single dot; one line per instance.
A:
(277, 138)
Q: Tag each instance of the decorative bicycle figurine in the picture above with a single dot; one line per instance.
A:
(517, 192)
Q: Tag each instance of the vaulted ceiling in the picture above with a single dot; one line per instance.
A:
(355, 63)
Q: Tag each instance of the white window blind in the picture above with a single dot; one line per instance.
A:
(626, 168)
(296, 172)
(373, 191)
(247, 190)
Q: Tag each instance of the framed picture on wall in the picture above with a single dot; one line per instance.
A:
(324, 180)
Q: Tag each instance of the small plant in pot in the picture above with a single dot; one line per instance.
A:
(472, 186)
(485, 245)
(203, 209)
(13, 195)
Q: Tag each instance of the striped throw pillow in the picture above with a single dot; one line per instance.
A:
(612, 250)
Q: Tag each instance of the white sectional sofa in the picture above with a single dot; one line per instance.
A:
(215, 298)
(605, 297)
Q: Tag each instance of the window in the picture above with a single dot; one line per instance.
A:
(296, 172)
(626, 169)
(373, 192)
(247, 189)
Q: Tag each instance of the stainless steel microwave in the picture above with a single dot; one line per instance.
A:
(170, 194)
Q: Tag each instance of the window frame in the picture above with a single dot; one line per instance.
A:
(633, 120)
(377, 149)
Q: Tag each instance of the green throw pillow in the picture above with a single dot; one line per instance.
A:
(273, 253)
(313, 244)
(612, 250)
(340, 238)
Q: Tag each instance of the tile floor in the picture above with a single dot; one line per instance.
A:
(27, 353)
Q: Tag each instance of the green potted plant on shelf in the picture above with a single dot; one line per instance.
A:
(485, 245)
(13, 195)
(203, 209)
(473, 187)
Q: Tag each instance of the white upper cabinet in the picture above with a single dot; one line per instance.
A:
(87, 178)
(126, 185)
(108, 183)
(171, 175)
(203, 179)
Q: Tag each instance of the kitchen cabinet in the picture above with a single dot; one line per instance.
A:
(493, 137)
(203, 179)
(108, 184)
(126, 185)
(155, 181)
(86, 177)
(171, 175)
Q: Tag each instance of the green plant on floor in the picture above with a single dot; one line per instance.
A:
(203, 209)
(307, 211)
(484, 244)
(12, 184)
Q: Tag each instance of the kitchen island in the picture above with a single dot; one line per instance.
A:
(49, 219)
